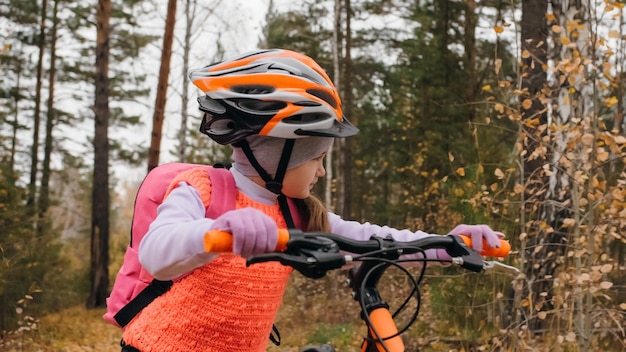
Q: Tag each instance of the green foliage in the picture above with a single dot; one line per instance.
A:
(430, 130)
(471, 307)
(203, 150)
(23, 12)
(31, 264)
(16, 238)
(301, 31)
(128, 79)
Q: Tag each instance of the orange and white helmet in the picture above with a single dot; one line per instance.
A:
(275, 93)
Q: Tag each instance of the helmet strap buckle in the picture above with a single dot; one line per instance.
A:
(274, 187)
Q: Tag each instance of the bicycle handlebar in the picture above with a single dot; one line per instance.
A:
(315, 253)
(222, 242)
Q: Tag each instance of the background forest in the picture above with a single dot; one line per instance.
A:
(503, 112)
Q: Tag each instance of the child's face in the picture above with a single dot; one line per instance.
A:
(299, 181)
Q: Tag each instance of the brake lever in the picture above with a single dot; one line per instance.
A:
(495, 266)
(298, 262)
(310, 263)
(464, 256)
(469, 259)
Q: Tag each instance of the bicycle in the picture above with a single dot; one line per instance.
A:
(313, 254)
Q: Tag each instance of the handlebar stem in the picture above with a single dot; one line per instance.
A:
(373, 301)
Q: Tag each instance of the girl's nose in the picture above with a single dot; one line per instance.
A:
(321, 171)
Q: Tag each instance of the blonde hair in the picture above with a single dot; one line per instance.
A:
(314, 214)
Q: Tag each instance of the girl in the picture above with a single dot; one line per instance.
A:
(280, 112)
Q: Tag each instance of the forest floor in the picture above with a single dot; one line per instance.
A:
(78, 330)
(73, 329)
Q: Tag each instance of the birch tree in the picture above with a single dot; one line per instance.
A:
(579, 185)
(344, 145)
(337, 47)
(574, 116)
(568, 186)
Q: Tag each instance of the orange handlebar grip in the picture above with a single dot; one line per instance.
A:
(283, 238)
(218, 241)
(503, 251)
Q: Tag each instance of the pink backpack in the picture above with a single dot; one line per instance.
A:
(134, 287)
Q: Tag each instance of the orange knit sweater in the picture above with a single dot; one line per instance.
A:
(221, 306)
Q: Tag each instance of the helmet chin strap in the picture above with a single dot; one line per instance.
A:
(275, 185)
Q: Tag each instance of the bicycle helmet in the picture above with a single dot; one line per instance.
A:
(276, 93)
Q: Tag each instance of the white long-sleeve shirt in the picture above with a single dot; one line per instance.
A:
(174, 243)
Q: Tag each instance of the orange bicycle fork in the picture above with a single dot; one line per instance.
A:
(382, 328)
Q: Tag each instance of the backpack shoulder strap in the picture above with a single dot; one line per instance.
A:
(150, 195)
(198, 178)
(216, 187)
(295, 214)
(223, 192)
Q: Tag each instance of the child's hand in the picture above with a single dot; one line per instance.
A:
(477, 233)
(253, 231)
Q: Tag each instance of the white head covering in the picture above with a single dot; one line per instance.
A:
(267, 151)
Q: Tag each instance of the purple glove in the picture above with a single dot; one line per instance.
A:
(477, 233)
(253, 231)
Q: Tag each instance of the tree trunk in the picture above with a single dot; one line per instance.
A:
(345, 152)
(470, 57)
(537, 242)
(575, 110)
(182, 133)
(32, 185)
(17, 98)
(44, 193)
(337, 50)
(99, 271)
(161, 96)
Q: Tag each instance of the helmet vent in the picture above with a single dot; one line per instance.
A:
(306, 118)
(209, 105)
(306, 103)
(325, 96)
(253, 89)
(257, 105)
(217, 126)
